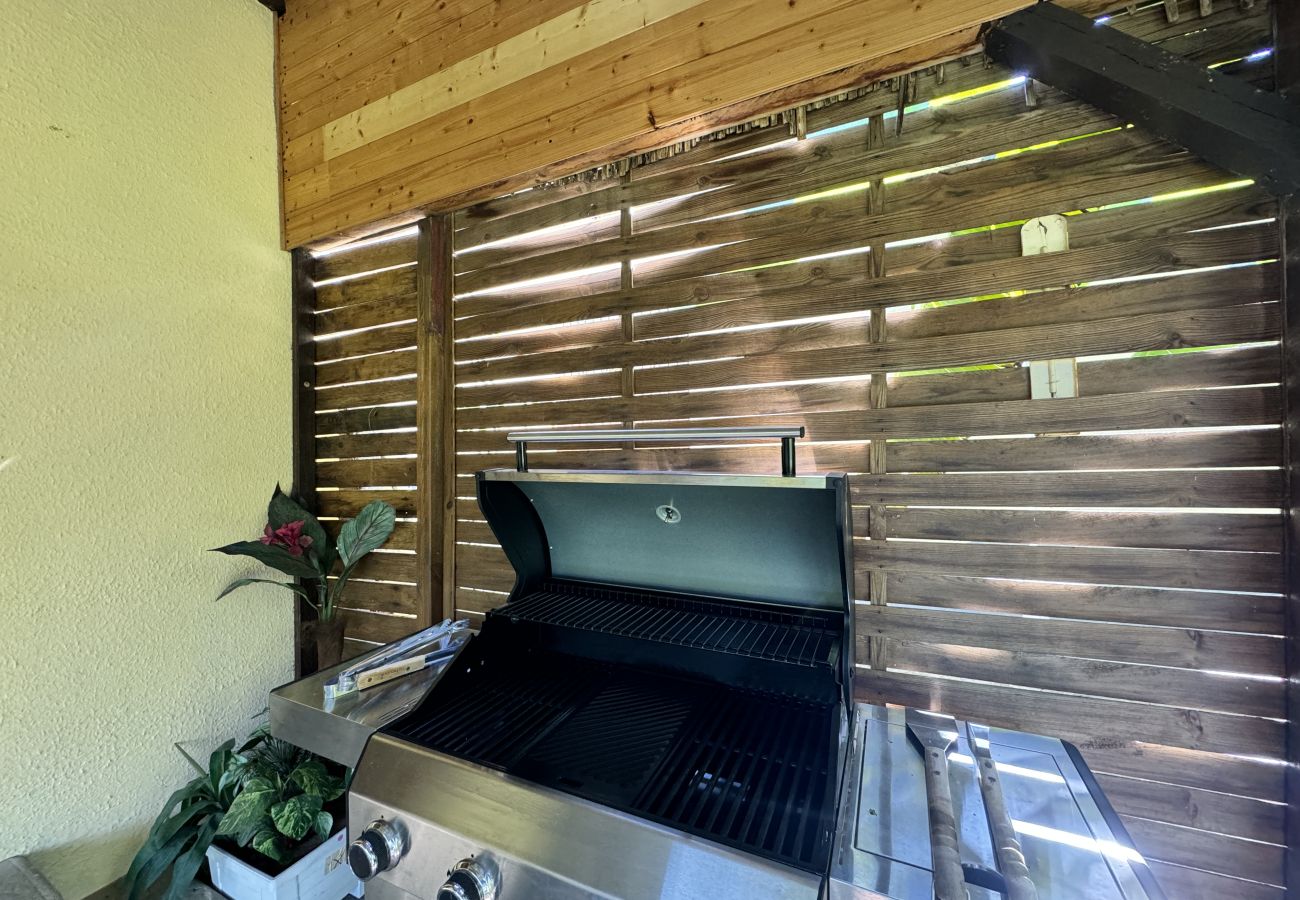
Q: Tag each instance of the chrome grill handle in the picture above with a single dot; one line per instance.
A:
(786, 434)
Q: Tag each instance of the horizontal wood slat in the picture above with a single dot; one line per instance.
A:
(1209, 569)
(1194, 610)
(1060, 714)
(1179, 647)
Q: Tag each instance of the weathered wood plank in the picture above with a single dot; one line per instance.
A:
(397, 336)
(1194, 610)
(1206, 488)
(1187, 688)
(342, 446)
(367, 256)
(382, 311)
(388, 566)
(375, 418)
(1222, 570)
(485, 568)
(1179, 647)
(374, 393)
(1257, 778)
(1224, 854)
(1197, 884)
(360, 473)
(367, 368)
(1158, 450)
(1260, 533)
(379, 628)
(1062, 714)
(375, 596)
(397, 282)
(347, 503)
(1222, 813)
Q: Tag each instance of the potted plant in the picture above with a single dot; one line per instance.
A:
(293, 542)
(264, 816)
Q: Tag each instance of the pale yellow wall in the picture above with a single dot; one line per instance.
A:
(144, 408)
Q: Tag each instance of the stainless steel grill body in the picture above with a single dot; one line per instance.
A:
(668, 682)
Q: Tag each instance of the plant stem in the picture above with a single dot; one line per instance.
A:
(326, 608)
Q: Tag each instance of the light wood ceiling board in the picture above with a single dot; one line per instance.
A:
(554, 42)
(355, 75)
(949, 46)
(657, 89)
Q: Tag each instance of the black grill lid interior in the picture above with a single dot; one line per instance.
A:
(777, 540)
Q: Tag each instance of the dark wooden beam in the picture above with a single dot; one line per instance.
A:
(435, 423)
(1286, 66)
(1221, 119)
(1289, 212)
(1286, 48)
(275, 6)
(304, 429)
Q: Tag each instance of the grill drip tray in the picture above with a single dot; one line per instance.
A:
(745, 768)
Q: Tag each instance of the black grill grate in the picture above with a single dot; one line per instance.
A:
(749, 769)
(805, 640)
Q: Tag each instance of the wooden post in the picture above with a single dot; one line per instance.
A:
(626, 383)
(878, 395)
(1286, 60)
(435, 541)
(304, 429)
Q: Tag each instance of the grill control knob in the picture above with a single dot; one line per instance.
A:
(377, 850)
(471, 879)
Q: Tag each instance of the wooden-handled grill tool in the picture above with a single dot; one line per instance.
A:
(935, 743)
(1006, 847)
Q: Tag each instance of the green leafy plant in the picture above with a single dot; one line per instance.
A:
(294, 543)
(281, 801)
(268, 794)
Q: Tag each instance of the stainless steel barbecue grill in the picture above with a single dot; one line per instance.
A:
(663, 708)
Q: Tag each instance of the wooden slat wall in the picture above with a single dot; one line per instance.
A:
(365, 425)
(1106, 567)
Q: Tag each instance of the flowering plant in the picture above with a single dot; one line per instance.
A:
(293, 542)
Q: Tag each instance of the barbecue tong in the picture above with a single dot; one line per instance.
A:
(935, 736)
(412, 653)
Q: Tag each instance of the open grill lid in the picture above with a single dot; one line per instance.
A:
(776, 540)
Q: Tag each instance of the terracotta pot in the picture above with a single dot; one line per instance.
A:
(329, 641)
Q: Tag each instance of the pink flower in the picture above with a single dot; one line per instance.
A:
(289, 536)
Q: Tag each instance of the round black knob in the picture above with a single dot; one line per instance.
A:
(376, 850)
(471, 879)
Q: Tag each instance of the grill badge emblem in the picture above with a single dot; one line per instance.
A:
(668, 514)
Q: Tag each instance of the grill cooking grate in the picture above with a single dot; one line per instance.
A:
(805, 640)
(747, 774)
(749, 769)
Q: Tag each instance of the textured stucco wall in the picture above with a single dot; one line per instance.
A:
(144, 409)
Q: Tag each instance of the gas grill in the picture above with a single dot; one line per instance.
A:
(663, 708)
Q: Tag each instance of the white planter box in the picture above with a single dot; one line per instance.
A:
(322, 874)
